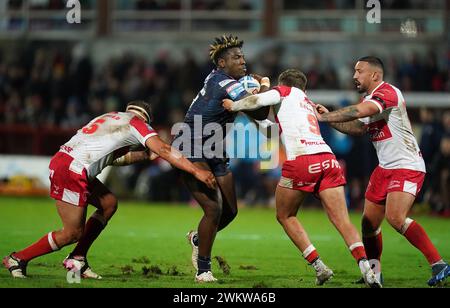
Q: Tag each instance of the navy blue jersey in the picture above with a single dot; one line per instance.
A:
(208, 102)
(206, 108)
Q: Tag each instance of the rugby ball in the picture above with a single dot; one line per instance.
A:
(250, 84)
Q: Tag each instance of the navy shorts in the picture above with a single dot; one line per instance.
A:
(219, 166)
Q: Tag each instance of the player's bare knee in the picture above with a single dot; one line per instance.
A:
(112, 209)
(109, 203)
(233, 213)
(70, 236)
(337, 218)
(226, 219)
(108, 206)
(213, 212)
(282, 217)
(76, 235)
(396, 221)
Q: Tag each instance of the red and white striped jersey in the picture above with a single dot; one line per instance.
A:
(106, 138)
(391, 131)
(299, 128)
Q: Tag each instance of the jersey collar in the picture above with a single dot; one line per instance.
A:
(382, 83)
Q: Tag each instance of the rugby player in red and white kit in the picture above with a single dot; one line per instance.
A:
(311, 167)
(397, 180)
(115, 138)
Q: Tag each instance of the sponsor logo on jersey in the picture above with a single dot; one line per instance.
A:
(301, 184)
(394, 184)
(318, 167)
(379, 131)
(223, 83)
(305, 142)
(235, 90)
(66, 148)
(56, 189)
(233, 87)
(307, 106)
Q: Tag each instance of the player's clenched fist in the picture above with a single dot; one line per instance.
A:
(227, 104)
(321, 109)
(264, 81)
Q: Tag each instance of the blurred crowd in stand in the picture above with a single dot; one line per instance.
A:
(229, 4)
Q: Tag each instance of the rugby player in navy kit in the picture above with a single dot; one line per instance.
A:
(219, 206)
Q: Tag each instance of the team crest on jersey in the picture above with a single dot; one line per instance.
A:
(56, 190)
(394, 184)
(66, 148)
(379, 131)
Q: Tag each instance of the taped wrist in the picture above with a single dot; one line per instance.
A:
(265, 81)
(122, 160)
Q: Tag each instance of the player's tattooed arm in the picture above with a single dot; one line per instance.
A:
(354, 128)
(349, 113)
(342, 115)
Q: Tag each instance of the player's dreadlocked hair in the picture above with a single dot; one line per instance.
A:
(221, 44)
(142, 107)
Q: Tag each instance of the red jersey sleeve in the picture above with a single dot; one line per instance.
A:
(141, 130)
(284, 90)
(384, 98)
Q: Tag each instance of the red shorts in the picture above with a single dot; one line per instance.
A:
(383, 181)
(68, 180)
(312, 173)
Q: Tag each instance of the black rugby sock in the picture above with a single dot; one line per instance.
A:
(204, 264)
